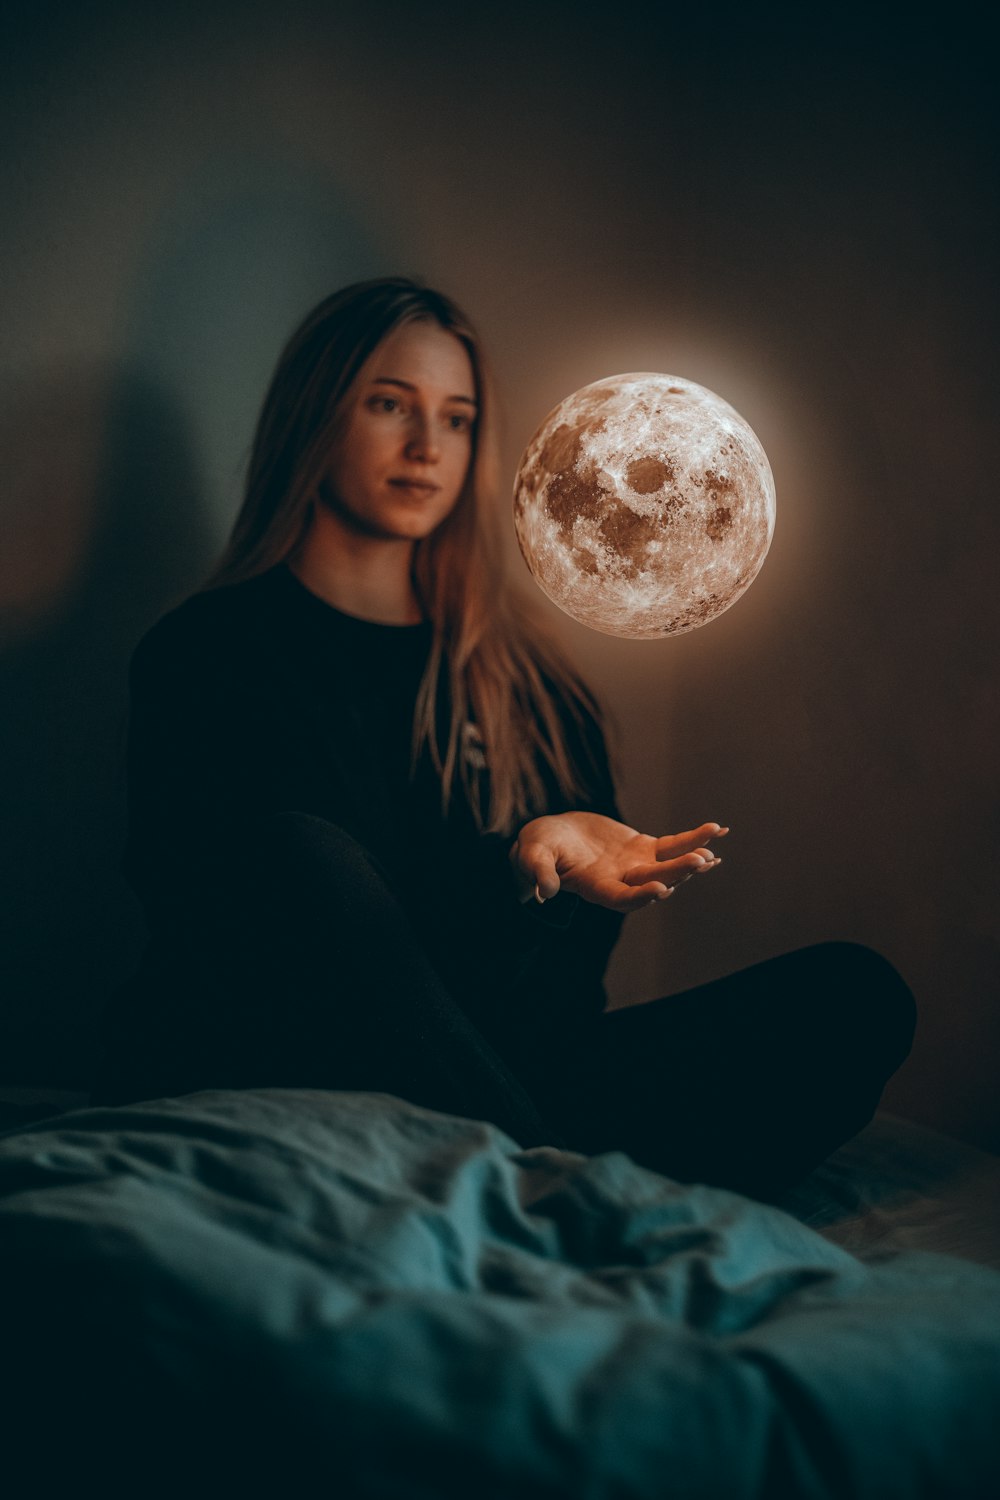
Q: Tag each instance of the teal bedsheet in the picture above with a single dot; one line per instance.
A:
(240, 1289)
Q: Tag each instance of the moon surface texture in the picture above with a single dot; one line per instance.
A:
(644, 505)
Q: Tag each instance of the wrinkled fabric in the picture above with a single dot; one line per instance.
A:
(250, 1288)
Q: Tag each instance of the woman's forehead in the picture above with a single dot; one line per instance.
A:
(423, 354)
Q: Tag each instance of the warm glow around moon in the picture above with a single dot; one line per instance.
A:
(644, 505)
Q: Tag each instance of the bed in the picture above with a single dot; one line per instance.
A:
(234, 1293)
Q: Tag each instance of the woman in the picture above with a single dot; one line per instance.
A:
(374, 829)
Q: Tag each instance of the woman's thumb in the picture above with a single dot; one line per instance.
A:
(542, 865)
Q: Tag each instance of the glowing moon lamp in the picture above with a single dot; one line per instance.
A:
(644, 505)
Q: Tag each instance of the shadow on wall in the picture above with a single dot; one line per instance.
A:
(120, 484)
(95, 542)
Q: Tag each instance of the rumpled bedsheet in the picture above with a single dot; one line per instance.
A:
(233, 1292)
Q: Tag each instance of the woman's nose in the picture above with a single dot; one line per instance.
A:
(422, 442)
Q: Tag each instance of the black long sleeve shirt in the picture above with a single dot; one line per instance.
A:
(261, 697)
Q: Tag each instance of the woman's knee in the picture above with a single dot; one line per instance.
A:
(300, 857)
(290, 831)
(863, 981)
(288, 838)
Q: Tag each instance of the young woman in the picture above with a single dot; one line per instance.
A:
(374, 830)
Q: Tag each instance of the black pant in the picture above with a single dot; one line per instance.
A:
(315, 977)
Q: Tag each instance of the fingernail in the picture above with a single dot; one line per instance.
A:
(539, 897)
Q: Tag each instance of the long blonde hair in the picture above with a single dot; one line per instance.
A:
(505, 671)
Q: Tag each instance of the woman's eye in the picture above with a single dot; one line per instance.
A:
(457, 421)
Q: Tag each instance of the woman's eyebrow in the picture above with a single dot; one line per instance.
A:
(407, 386)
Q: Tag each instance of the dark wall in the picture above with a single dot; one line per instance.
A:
(798, 214)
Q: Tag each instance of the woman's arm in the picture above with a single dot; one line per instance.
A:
(194, 741)
(217, 741)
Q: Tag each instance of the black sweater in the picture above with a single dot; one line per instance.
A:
(261, 698)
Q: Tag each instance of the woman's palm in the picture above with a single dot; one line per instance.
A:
(608, 863)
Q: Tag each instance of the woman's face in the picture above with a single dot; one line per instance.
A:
(406, 449)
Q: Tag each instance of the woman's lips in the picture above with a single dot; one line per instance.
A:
(418, 487)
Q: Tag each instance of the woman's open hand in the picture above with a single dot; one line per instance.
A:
(606, 862)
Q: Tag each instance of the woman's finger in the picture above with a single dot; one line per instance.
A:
(617, 897)
(671, 870)
(671, 844)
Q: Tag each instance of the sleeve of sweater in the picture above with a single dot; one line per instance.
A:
(206, 755)
(576, 937)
